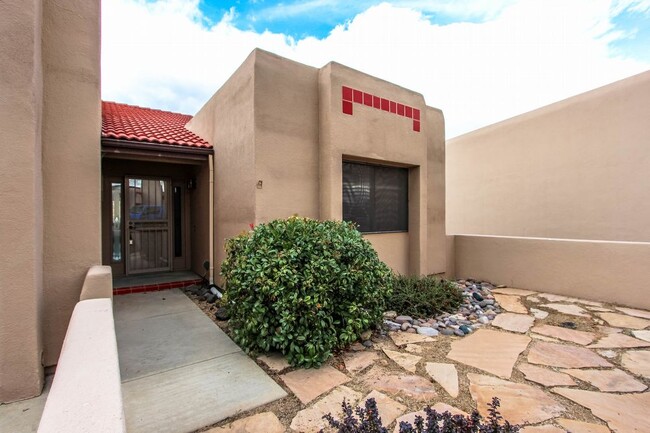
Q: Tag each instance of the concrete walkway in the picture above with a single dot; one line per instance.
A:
(180, 372)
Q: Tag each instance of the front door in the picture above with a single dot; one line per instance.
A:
(147, 214)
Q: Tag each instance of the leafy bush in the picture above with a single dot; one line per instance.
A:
(367, 421)
(303, 287)
(424, 296)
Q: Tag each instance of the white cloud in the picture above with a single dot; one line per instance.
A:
(530, 53)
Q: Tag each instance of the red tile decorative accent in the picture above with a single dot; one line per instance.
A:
(155, 287)
(350, 96)
(347, 107)
(367, 99)
(358, 97)
(347, 93)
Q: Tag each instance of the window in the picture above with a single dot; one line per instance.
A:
(375, 197)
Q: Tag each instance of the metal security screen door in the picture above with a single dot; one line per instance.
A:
(147, 215)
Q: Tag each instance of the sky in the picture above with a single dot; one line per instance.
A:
(480, 61)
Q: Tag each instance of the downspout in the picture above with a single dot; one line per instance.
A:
(211, 218)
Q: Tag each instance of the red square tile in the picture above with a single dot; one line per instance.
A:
(376, 102)
(140, 290)
(416, 125)
(416, 114)
(347, 107)
(367, 99)
(408, 111)
(393, 107)
(346, 93)
(385, 104)
(358, 96)
(400, 109)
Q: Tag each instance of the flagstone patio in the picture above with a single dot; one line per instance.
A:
(552, 360)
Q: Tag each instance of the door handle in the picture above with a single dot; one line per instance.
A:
(131, 225)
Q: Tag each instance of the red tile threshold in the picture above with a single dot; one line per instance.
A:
(155, 287)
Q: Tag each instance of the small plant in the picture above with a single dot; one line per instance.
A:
(424, 296)
(303, 287)
(360, 420)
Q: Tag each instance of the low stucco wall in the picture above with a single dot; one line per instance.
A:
(597, 270)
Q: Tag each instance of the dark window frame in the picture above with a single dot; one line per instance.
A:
(365, 186)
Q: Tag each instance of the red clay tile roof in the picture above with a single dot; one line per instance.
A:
(146, 125)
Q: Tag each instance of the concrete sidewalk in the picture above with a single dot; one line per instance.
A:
(180, 372)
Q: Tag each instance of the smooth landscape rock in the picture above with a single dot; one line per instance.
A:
(571, 309)
(624, 321)
(413, 386)
(403, 319)
(413, 348)
(520, 403)
(446, 375)
(308, 384)
(608, 380)
(358, 361)
(578, 337)
(310, 420)
(565, 356)
(388, 408)
(609, 354)
(619, 341)
(493, 351)
(404, 360)
(624, 413)
(429, 332)
(276, 362)
(545, 376)
(514, 322)
(265, 421)
(581, 427)
(637, 362)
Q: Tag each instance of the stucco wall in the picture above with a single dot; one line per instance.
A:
(438, 258)
(71, 159)
(601, 271)
(577, 169)
(227, 122)
(21, 373)
(286, 138)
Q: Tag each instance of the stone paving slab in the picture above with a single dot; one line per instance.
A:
(359, 361)
(642, 335)
(542, 429)
(310, 420)
(624, 413)
(624, 321)
(614, 380)
(492, 351)
(520, 403)
(545, 376)
(581, 427)
(511, 303)
(513, 291)
(520, 323)
(308, 384)
(413, 386)
(190, 397)
(571, 309)
(446, 375)
(276, 362)
(578, 337)
(565, 356)
(619, 341)
(634, 312)
(262, 422)
(406, 361)
(388, 408)
(637, 362)
(404, 338)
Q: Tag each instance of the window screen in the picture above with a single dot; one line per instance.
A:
(375, 197)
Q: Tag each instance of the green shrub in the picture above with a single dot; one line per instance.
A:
(424, 296)
(303, 287)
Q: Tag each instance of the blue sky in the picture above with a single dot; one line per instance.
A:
(480, 61)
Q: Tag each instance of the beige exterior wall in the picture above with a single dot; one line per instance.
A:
(601, 271)
(227, 122)
(577, 169)
(21, 265)
(71, 159)
(49, 121)
(280, 138)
